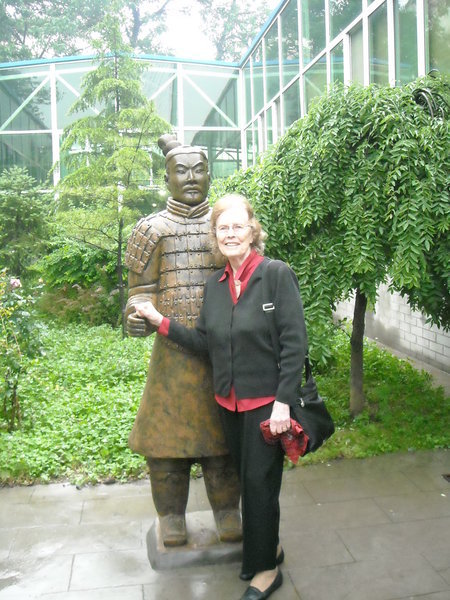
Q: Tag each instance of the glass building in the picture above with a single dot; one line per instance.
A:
(237, 110)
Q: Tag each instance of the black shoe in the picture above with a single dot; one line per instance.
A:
(253, 593)
(280, 557)
(248, 576)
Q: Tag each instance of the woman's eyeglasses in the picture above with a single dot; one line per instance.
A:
(236, 228)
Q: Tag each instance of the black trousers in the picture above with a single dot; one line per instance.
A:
(260, 469)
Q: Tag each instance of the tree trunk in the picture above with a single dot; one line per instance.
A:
(15, 408)
(357, 399)
(120, 278)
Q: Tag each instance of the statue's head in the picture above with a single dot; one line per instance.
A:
(187, 174)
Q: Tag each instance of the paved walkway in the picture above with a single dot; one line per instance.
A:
(372, 529)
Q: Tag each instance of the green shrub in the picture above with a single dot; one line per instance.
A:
(24, 211)
(78, 406)
(80, 399)
(80, 284)
(20, 343)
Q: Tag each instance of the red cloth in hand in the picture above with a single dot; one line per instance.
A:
(293, 441)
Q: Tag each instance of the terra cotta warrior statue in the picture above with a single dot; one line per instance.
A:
(169, 258)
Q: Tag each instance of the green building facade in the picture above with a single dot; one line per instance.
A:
(237, 110)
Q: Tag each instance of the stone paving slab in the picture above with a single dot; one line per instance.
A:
(377, 579)
(319, 517)
(372, 529)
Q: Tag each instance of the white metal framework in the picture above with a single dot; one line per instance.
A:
(235, 111)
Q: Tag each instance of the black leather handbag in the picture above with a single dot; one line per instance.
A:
(309, 409)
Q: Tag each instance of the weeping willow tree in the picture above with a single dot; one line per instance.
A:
(355, 194)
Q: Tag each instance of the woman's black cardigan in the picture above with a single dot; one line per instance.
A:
(237, 337)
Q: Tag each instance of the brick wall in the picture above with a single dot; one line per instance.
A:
(394, 324)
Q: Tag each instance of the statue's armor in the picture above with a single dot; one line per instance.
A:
(185, 261)
(169, 257)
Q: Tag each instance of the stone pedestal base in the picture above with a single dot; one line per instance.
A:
(203, 546)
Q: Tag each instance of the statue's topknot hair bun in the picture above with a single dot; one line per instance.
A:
(168, 142)
(170, 146)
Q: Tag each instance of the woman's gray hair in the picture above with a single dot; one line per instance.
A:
(230, 201)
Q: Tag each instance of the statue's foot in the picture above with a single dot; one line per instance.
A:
(173, 530)
(229, 525)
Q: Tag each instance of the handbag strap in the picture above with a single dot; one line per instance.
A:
(269, 310)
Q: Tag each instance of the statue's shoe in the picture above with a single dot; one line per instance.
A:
(173, 530)
(229, 525)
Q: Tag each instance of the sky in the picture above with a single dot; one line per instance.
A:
(185, 36)
(185, 33)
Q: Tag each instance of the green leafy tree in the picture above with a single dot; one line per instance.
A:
(110, 153)
(231, 26)
(23, 220)
(144, 23)
(356, 194)
(43, 28)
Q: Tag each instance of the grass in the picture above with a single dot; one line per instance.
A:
(78, 405)
(79, 402)
(404, 412)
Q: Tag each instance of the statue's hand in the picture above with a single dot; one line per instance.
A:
(138, 326)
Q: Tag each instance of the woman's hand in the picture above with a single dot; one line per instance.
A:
(146, 310)
(280, 419)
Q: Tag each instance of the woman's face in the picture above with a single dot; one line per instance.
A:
(234, 234)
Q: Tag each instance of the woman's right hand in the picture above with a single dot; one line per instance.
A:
(146, 310)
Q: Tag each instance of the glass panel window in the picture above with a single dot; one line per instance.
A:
(378, 47)
(342, 13)
(356, 54)
(277, 107)
(196, 106)
(289, 37)
(406, 40)
(166, 103)
(197, 68)
(258, 86)
(337, 63)
(272, 62)
(66, 86)
(269, 126)
(223, 149)
(291, 104)
(203, 96)
(162, 86)
(248, 93)
(313, 28)
(226, 105)
(83, 64)
(250, 147)
(315, 81)
(31, 150)
(438, 31)
(256, 139)
(261, 124)
(25, 103)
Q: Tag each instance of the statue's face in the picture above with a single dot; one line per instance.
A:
(187, 178)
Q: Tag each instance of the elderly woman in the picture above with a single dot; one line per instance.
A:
(250, 385)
